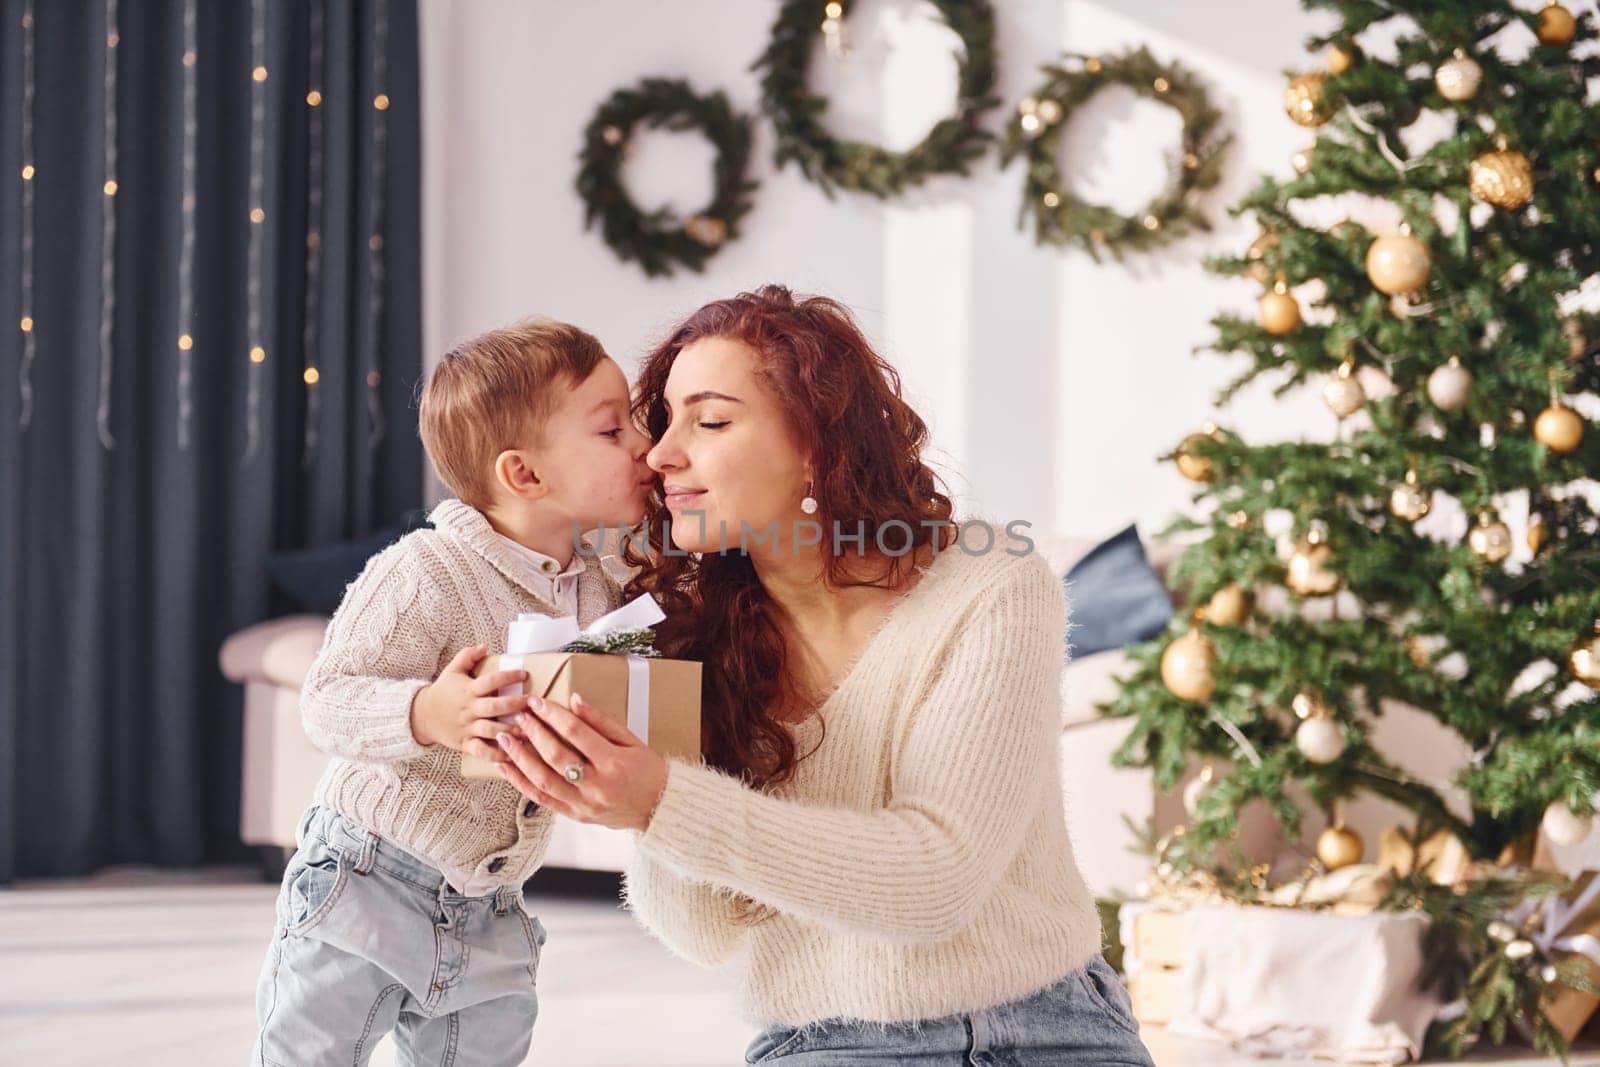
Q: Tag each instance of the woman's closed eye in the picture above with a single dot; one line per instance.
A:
(713, 425)
(611, 433)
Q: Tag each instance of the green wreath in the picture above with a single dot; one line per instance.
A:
(658, 239)
(796, 111)
(1059, 217)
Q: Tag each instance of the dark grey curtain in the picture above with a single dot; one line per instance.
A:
(123, 568)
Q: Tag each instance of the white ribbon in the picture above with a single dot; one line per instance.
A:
(640, 613)
(1557, 913)
(639, 697)
(533, 633)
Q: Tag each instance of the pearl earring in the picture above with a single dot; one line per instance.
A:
(809, 504)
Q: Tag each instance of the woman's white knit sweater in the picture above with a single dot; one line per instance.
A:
(919, 860)
(416, 605)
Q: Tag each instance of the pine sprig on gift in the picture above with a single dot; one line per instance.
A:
(1466, 962)
(640, 642)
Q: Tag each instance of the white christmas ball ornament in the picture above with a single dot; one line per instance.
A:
(1564, 827)
(1450, 386)
(1320, 740)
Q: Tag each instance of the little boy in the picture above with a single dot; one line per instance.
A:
(402, 908)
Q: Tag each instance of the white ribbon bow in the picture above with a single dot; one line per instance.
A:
(532, 633)
(1557, 913)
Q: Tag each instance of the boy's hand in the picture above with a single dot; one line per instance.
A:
(459, 711)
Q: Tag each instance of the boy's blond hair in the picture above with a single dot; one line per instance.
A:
(495, 391)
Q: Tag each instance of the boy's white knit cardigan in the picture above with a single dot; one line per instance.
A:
(918, 860)
(416, 605)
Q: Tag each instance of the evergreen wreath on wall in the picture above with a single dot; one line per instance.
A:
(796, 112)
(657, 240)
(1063, 218)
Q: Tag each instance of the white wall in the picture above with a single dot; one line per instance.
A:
(1051, 382)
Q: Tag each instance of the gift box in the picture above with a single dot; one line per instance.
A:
(1280, 981)
(1152, 957)
(1571, 930)
(612, 664)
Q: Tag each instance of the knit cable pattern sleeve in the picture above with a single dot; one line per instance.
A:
(966, 781)
(383, 645)
(692, 919)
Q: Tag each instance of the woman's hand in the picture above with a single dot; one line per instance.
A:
(619, 779)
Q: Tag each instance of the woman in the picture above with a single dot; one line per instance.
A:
(878, 828)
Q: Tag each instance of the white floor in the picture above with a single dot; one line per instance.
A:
(138, 968)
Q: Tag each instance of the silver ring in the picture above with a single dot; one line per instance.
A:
(573, 773)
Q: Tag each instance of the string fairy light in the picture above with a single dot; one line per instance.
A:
(258, 116)
(108, 229)
(376, 210)
(314, 167)
(29, 172)
(186, 249)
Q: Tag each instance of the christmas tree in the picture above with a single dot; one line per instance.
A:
(1453, 351)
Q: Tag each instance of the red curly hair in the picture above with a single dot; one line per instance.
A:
(865, 444)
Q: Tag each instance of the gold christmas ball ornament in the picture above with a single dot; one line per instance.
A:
(1458, 77)
(1191, 465)
(1308, 571)
(1280, 312)
(1558, 428)
(1256, 254)
(1410, 501)
(1503, 178)
(1556, 25)
(1398, 263)
(1228, 606)
(1450, 386)
(1339, 59)
(1563, 826)
(1490, 540)
(1302, 100)
(1339, 846)
(1186, 667)
(1343, 393)
(1584, 661)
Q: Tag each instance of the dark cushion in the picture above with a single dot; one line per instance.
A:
(315, 578)
(1117, 598)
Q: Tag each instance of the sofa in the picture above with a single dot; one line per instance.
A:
(281, 767)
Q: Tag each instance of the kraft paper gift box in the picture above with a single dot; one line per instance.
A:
(1572, 929)
(612, 665)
